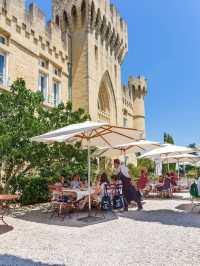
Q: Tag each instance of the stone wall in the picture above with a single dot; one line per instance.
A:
(29, 40)
(91, 36)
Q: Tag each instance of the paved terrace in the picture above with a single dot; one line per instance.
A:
(165, 233)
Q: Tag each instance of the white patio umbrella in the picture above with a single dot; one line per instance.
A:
(91, 134)
(182, 158)
(166, 151)
(128, 148)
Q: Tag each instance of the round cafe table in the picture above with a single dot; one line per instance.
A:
(5, 201)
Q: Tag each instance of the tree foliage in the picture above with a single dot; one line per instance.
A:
(23, 116)
(146, 164)
(168, 138)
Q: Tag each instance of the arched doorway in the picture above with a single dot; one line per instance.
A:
(107, 111)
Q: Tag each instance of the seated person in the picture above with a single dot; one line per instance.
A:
(167, 182)
(61, 181)
(165, 189)
(76, 183)
(174, 179)
(99, 191)
(160, 183)
(116, 184)
(142, 181)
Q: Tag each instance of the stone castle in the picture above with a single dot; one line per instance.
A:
(76, 57)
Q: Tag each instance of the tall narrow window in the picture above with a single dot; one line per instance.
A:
(96, 54)
(115, 69)
(57, 21)
(125, 122)
(2, 68)
(56, 93)
(69, 82)
(43, 85)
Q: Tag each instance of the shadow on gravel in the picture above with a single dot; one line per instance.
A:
(166, 217)
(5, 229)
(41, 214)
(8, 260)
(189, 207)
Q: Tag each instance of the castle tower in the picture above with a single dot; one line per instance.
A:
(98, 46)
(139, 90)
(18, 8)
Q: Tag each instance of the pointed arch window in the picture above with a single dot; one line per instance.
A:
(57, 20)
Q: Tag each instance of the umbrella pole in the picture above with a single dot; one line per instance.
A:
(89, 177)
(168, 163)
(89, 218)
(124, 157)
(178, 170)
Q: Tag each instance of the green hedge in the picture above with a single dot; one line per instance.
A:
(34, 189)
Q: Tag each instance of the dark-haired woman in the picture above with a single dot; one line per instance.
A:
(98, 191)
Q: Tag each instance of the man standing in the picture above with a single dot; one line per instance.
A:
(129, 191)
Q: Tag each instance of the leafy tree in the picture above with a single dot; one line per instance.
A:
(146, 164)
(23, 116)
(134, 171)
(168, 138)
(193, 146)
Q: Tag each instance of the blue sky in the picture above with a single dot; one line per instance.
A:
(164, 46)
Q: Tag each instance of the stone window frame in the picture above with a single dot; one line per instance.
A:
(57, 71)
(46, 97)
(5, 74)
(46, 65)
(58, 82)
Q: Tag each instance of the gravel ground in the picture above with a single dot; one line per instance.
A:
(165, 233)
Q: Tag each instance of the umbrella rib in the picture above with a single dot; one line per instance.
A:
(102, 132)
(127, 128)
(101, 136)
(112, 131)
(129, 147)
(98, 134)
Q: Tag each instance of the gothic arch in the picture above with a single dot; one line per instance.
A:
(74, 15)
(98, 18)
(107, 108)
(65, 19)
(57, 20)
(92, 15)
(83, 12)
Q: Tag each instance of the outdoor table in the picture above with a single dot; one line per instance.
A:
(80, 194)
(5, 204)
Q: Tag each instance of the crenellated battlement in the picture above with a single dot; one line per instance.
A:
(76, 56)
(138, 85)
(31, 23)
(96, 16)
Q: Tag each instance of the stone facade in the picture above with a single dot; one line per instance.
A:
(77, 57)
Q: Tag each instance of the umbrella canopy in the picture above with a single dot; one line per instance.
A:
(98, 134)
(128, 148)
(91, 134)
(166, 151)
(182, 158)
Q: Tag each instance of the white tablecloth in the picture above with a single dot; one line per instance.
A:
(79, 193)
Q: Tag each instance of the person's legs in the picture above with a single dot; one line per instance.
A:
(125, 204)
(137, 198)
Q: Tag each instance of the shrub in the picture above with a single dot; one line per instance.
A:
(33, 189)
(134, 171)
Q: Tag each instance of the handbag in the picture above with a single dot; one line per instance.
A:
(106, 201)
(118, 200)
